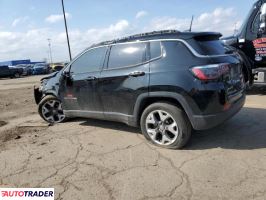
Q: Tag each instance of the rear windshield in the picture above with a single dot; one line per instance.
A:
(208, 47)
(213, 47)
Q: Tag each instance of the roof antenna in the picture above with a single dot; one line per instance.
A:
(191, 23)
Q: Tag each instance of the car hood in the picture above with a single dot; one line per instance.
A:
(50, 76)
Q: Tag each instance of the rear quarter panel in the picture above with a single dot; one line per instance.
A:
(172, 73)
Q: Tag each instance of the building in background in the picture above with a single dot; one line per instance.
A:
(18, 62)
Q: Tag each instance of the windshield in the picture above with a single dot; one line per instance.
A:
(243, 26)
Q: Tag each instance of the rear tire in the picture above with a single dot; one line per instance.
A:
(50, 109)
(166, 125)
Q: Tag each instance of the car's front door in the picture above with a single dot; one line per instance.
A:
(79, 91)
(124, 80)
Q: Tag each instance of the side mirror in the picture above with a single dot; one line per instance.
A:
(66, 74)
(262, 29)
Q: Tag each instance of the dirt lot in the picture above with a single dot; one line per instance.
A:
(89, 159)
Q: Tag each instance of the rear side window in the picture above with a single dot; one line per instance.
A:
(155, 49)
(211, 47)
(123, 55)
(90, 61)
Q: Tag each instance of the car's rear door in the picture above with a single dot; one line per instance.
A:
(124, 79)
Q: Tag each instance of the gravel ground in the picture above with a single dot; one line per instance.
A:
(92, 159)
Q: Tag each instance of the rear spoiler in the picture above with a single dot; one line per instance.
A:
(207, 36)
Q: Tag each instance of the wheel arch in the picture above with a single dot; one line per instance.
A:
(50, 93)
(173, 98)
(39, 95)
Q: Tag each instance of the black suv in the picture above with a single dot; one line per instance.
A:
(166, 82)
(10, 72)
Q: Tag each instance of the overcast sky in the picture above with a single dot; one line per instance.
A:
(25, 25)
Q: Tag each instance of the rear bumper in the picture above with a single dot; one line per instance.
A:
(204, 122)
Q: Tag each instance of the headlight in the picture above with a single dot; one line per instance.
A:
(43, 83)
(41, 88)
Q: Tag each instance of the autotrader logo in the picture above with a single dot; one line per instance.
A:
(26, 193)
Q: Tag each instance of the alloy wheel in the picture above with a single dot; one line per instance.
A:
(52, 111)
(161, 127)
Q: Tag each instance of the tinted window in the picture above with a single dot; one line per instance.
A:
(127, 55)
(212, 47)
(256, 24)
(90, 61)
(155, 49)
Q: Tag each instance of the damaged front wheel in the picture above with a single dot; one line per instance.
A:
(50, 109)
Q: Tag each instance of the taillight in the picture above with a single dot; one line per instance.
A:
(210, 72)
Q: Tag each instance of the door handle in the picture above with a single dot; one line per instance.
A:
(137, 73)
(91, 78)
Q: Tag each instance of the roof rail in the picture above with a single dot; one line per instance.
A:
(136, 36)
(151, 34)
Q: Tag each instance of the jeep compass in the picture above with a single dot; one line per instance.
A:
(166, 82)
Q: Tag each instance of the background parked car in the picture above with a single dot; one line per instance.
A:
(41, 69)
(57, 66)
(27, 69)
(11, 72)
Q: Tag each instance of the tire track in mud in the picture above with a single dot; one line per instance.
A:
(18, 131)
(3, 123)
